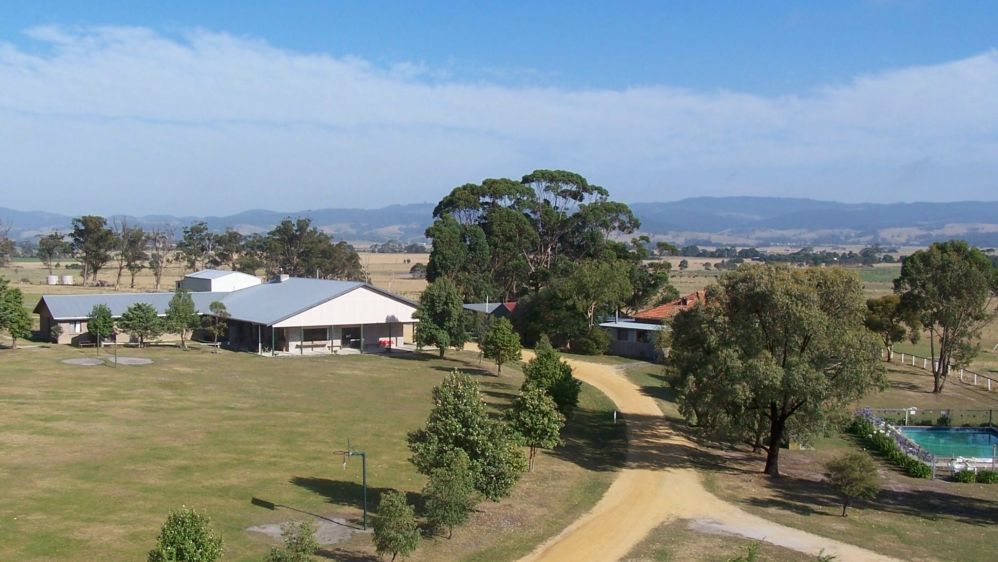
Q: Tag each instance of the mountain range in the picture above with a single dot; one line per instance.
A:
(742, 221)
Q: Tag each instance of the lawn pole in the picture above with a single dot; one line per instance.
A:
(363, 468)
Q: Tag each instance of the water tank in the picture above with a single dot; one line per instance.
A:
(67, 279)
(52, 280)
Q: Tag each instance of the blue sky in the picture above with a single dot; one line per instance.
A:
(215, 107)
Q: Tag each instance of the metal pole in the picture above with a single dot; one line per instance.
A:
(363, 464)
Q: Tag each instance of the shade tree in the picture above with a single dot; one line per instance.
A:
(536, 421)
(395, 528)
(142, 322)
(501, 344)
(441, 317)
(774, 353)
(182, 315)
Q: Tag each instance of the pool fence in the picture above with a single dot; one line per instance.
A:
(985, 382)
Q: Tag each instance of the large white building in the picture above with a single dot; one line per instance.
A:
(287, 315)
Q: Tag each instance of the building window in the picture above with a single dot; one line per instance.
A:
(315, 334)
(643, 337)
(77, 327)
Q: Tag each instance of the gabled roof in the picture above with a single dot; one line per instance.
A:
(270, 303)
(265, 304)
(78, 307)
(490, 307)
(669, 309)
(217, 274)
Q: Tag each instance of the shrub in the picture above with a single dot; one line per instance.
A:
(987, 477)
(965, 476)
(887, 447)
(395, 529)
(187, 537)
(944, 420)
(299, 543)
(853, 476)
(595, 342)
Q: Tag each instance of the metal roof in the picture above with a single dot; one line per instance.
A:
(265, 304)
(484, 308)
(640, 326)
(215, 274)
(270, 303)
(78, 307)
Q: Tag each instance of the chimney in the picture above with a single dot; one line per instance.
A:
(281, 278)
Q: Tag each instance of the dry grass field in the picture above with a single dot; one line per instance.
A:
(95, 457)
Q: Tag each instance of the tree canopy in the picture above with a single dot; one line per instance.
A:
(395, 528)
(547, 372)
(182, 315)
(950, 287)
(500, 343)
(892, 321)
(296, 248)
(536, 421)
(142, 322)
(92, 242)
(187, 536)
(552, 230)
(441, 317)
(100, 323)
(459, 421)
(14, 318)
(773, 354)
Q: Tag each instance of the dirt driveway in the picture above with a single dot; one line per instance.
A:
(659, 484)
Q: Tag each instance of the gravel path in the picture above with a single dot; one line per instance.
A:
(84, 361)
(659, 485)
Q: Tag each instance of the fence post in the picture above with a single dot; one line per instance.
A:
(902, 358)
(975, 379)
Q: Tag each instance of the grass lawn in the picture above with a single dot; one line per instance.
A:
(95, 457)
(676, 541)
(911, 519)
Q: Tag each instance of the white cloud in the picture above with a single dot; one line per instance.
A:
(212, 123)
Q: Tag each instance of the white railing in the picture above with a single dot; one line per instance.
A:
(965, 376)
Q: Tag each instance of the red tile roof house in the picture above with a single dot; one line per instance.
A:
(637, 336)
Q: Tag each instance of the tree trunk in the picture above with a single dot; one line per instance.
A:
(441, 349)
(890, 353)
(776, 429)
(845, 504)
(117, 280)
(498, 368)
(132, 285)
(530, 459)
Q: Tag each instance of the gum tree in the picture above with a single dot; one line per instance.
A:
(773, 354)
(951, 287)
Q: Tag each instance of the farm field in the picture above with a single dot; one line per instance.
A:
(912, 519)
(95, 457)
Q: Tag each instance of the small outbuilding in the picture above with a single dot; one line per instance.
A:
(217, 280)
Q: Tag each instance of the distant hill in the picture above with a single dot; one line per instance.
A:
(699, 220)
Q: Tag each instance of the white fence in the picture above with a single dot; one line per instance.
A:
(965, 376)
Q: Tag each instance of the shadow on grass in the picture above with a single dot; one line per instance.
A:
(342, 492)
(800, 496)
(273, 506)
(346, 556)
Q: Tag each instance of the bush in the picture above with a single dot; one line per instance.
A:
(987, 477)
(853, 476)
(187, 537)
(886, 446)
(965, 476)
(299, 543)
(595, 342)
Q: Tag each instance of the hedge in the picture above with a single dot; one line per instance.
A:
(880, 442)
(980, 477)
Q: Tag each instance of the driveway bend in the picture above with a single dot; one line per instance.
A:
(658, 484)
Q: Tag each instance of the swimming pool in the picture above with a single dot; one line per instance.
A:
(976, 442)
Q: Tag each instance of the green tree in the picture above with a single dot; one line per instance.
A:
(395, 529)
(537, 422)
(51, 248)
(219, 323)
(197, 246)
(182, 316)
(441, 317)
(7, 246)
(14, 318)
(547, 372)
(159, 244)
(450, 493)
(684, 265)
(142, 322)
(950, 286)
(299, 543)
(100, 323)
(886, 317)
(299, 249)
(501, 343)
(229, 248)
(774, 353)
(459, 420)
(597, 286)
(187, 536)
(133, 252)
(853, 476)
(92, 242)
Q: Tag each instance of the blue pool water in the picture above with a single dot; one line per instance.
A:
(977, 442)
